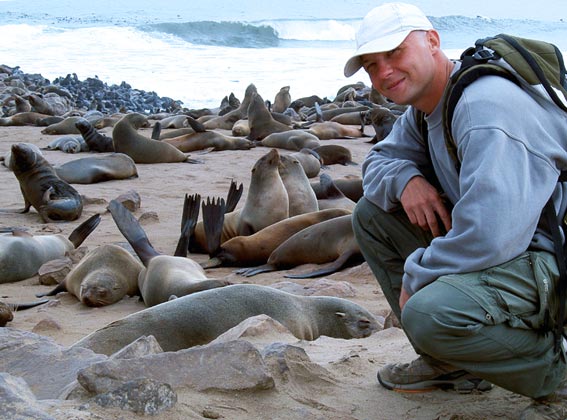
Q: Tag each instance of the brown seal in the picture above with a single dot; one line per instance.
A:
(296, 139)
(261, 121)
(256, 249)
(203, 139)
(141, 149)
(329, 130)
(23, 118)
(96, 142)
(227, 120)
(350, 186)
(67, 126)
(93, 169)
(282, 100)
(103, 277)
(331, 197)
(53, 198)
(310, 161)
(22, 254)
(332, 154)
(164, 276)
(199, 318)
(302, 198)
(331, 241)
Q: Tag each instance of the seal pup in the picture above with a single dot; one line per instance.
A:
(53, 198)
(296, 140)
(255, 249)
(241, 128)
(350, 186)
(261, 121)
(331, 241)
(141, 149)
(332, 154)
(202, 139)
(199, 318)
(104, 276)
(68, 144)
(22, 254)
(93, 169)
(331, 197)
(282, 100)
(310, 161)
(96, 142)
(164, 276)
(301, 197)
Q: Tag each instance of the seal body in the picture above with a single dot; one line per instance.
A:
(199, 318)
(291, 140)
(301, 196)
(53, 198)
(92, 169)
(261, 121)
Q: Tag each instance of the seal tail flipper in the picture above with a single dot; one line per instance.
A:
(318, 112)
(188, 222)
(233, 196)
(196, 125)
(132, 231)
(23, 306)
(213, 220)
(330, 268)
(156, 131)
(78, 236)
(252, 271)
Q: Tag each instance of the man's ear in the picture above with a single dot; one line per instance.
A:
(433, 39)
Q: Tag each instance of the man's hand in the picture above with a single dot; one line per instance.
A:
(424, 206)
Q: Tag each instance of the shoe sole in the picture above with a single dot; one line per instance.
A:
(460, 381)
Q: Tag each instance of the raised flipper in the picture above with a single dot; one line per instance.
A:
(188, 222)
(80, 233)
(233, 196)
(196, 125)
(132, 231)
(213, 219)
(341, 262)
(318, 112)
(156, 131)
(252, 271)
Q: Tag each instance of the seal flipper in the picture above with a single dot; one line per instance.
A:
(196, 125)
(156, 131)
(233, 196)
(252, 271)
(188, 221)
(330, 268)
(78, 236)
(132, 231)
(58, 289)
(23, 306)
(213, 219)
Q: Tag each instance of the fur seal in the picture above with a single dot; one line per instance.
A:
(241, 128)
(332, 154)
(104, 276)
(174, 121)
(53, 198)
(22, 254)
(301, 197)
(50, 104)
(310, 161)
(95, 141)
(67, 126)
(68, 144)
(141, 149)
(255, 249)
(296, 140)
(282, 100)
(164, 276)
(23, 118)
(331, 241)
(261, 121)
(227, 120)
(351, 187)
(200, 318)
(7, 158)
(6, 309)
(382, 120)
(93, 169)
(329, 130)
(331, 197)
(203, 139)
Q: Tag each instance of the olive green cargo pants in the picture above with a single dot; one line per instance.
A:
(492, 323)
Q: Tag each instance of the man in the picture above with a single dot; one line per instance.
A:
(469, 272)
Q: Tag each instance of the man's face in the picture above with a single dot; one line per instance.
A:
(405, 73)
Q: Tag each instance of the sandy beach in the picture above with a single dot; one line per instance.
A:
(353, 392)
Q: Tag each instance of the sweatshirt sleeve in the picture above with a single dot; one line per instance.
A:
(504, 182)
(391, 163)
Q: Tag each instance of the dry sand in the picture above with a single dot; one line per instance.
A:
(352, 394)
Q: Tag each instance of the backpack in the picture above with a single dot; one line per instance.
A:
(537, 67)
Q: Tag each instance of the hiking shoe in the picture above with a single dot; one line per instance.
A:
(427, 374)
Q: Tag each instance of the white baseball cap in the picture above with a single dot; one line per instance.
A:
(383, 29)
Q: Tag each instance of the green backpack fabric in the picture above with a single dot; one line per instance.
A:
(537, 67)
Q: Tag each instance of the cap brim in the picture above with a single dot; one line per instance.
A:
(386, 43)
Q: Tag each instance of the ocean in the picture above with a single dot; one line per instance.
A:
(199, 52)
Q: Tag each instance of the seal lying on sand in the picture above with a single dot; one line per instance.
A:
(92, 169)
(104, 276)
(164, 276)
(53, 198)
(22, 254)
(200, 318)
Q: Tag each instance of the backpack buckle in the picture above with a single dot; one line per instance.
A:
(483, 55)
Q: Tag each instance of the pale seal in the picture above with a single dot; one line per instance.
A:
(68, 144)
(93, 169)
(199, 318)
(296, 140)
(301, 197)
